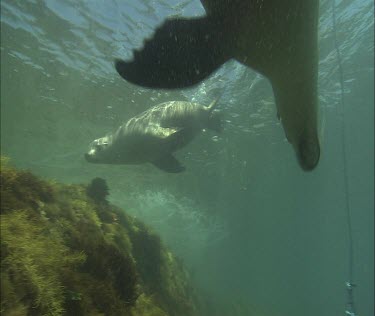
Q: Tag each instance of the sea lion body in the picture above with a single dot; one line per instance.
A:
(275, 38)
(154, 135)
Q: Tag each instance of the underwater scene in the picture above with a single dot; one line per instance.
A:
(187, 158)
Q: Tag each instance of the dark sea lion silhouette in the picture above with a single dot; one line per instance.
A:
(154, 135)
(275, 38)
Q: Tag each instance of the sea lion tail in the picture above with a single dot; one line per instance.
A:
(181, 53)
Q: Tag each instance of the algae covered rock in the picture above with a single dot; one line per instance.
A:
(98, 190)
(66, 251)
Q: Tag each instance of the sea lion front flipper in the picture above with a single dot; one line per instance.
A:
(169, 163)
(181, 53)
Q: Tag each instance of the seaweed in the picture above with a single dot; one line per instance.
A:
(147, 253)
(98, 190)
(33, 259)
(21, 189)
(65, 250)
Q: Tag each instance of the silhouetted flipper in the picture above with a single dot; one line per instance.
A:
(181, 53)
(169, 163)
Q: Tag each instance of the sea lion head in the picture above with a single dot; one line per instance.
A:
(98, 150)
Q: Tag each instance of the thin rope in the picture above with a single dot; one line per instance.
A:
(350, 307)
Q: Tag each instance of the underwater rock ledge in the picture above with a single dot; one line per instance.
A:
(66, 251)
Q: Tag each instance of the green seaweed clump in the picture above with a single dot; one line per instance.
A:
(33, 261)
(66, 251)
(98, 190)
(22, 189)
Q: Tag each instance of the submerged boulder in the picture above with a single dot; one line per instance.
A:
(66, 251)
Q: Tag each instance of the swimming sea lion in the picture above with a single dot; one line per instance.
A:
(154, 135)
(275, 38)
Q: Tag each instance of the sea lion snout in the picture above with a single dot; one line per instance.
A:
(308, 153)
(91, 156)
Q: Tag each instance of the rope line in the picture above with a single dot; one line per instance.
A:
(350, 306)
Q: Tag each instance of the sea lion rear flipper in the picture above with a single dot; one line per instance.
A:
(182, 53)
(169, 163)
